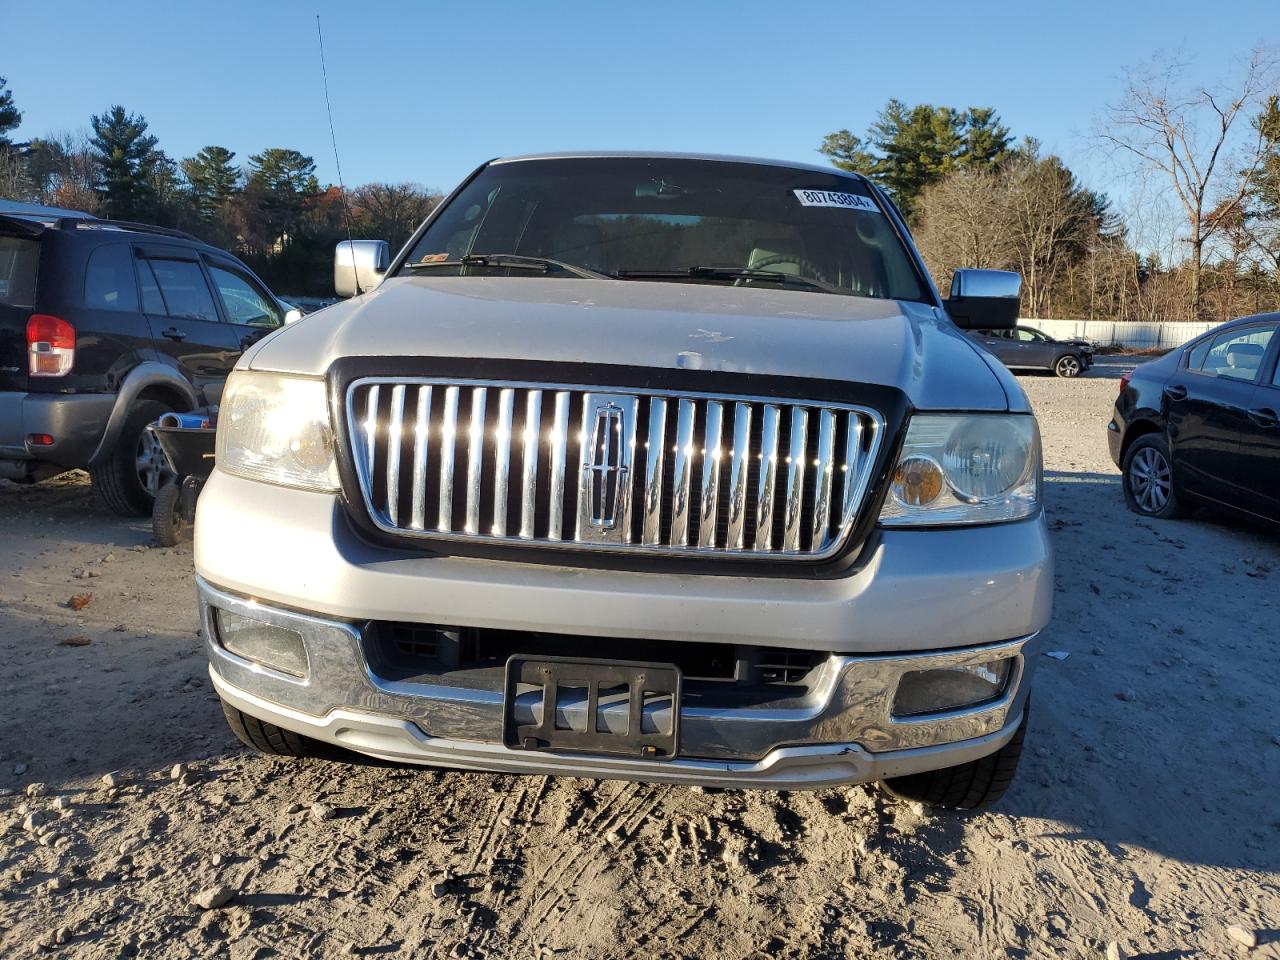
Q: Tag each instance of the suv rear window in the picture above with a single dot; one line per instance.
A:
(19, 261)
(108, 279)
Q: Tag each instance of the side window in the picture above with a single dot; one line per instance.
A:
(1237, 355)
(152, 301)
(245, 302)
(185, 291)
(1195, 359)
(108, 279)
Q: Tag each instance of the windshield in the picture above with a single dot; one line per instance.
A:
(691, 221)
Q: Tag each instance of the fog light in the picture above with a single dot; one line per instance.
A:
(932, 691)
(276, 647)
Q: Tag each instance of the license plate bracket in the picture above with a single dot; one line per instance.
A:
(601, 707)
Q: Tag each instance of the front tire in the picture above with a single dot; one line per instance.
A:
(131, 476)
(970, 786)
(1147, 476)
(1068, 366)
(266, 737)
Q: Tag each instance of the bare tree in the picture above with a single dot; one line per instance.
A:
(1187, 133)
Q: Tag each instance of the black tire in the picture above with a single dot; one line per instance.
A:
(970, 786)
(116, 479)
(168, 525)
(1068, 366)
(266, 737)
(1147, 477)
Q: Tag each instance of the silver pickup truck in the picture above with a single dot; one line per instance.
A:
(658, 467)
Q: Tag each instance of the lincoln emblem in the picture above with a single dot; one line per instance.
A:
(606, 472)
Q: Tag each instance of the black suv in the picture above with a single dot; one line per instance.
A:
(104, 326)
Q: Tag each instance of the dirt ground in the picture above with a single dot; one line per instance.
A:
(1144, 819)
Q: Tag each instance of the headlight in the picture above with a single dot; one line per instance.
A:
(276, 429)
(979, 468)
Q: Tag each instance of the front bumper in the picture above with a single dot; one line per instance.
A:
(924, 599)
(76, 422)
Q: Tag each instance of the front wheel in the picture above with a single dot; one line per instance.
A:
(1148, 478)
(1068, 366)
(969, 786)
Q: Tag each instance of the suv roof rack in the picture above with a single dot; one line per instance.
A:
(96, 223)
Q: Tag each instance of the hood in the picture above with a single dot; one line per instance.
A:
(650, 324)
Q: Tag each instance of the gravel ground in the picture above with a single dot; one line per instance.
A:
(1144, 819)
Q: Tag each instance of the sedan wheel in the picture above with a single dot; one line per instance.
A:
(1148, 479)
(1068, 366)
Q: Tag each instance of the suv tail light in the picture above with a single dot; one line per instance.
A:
(51, 346)
(1124, 382)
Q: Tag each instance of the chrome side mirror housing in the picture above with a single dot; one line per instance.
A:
(359, 266)
(292, 315)
(985, 299)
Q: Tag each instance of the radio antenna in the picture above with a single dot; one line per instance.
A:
(333, 138)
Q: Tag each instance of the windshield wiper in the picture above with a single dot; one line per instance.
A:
(510, 261)
(731, 273)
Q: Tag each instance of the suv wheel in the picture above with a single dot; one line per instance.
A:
(266, 737)
(1148, 478)
(1068, 366)
(131, 476)
(970, 786)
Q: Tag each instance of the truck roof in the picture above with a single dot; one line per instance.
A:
(660, 155)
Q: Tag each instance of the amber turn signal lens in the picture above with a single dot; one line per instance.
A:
(917, 481)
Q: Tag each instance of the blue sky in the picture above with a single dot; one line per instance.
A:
(424, 91)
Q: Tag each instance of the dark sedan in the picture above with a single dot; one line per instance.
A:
(1026, 348)
(1201, 424)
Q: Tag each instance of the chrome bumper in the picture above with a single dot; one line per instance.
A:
(842, 731)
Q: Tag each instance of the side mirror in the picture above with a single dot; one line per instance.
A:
(358, 266)
(292, 315)
(985, 299)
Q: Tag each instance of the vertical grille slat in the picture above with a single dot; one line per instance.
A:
(448, 454)
(559, 448)
(654, 461)
(529, 464)
(823, 466)
(395, 438)
(421, 458)
(635, 470)
(682, 473)
(475, 457)
(710, 491)
(739, 472)
(502, 456)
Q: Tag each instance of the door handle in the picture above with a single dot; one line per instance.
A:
(1264, 417)
(173, 333)
(1176, 392)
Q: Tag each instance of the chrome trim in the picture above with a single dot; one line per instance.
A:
(796, 455)
(559, 453)
(682, 474)
(863, 427)
(768, 476)
(502, 471)
(421, 433)
(395, 436)
(475, 453)
(823, 466)
(739, 470)
(711, 454)
(529, 468)
(448, 448)
(655, 448)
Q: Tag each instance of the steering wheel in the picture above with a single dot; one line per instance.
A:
(807, 267)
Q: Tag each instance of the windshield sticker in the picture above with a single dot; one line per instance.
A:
(829, 198)
(434, 258)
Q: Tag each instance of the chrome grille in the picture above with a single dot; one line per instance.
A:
(632, 471)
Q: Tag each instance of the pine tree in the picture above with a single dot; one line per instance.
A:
(282, 180)
(214, 179)
(126, 156)
(10, 115)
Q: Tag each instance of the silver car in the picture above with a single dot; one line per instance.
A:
(657, 467)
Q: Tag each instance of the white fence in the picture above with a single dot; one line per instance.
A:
(1112, 333)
